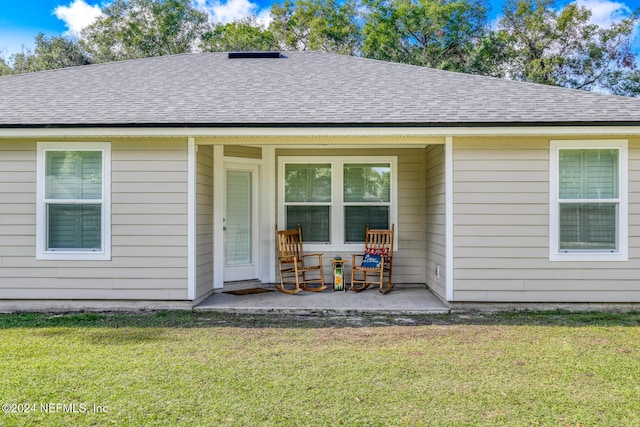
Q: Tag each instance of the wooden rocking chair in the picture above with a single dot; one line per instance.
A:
(377, 261)
(291, 262)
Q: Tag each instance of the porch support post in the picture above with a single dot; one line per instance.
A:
(448, 161)
(268, 214)
(191, 219)
(218, 216)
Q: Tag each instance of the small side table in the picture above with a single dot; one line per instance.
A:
(338, 274)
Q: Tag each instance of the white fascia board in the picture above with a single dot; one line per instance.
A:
(317, 131)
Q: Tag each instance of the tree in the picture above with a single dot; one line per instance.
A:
(243, 35)
(50, 53)
(58, 52)
(543, 45)
(489, 56)
(323, 25)
(433, 33)
(625, 83)
(5, 68)
(142, 28)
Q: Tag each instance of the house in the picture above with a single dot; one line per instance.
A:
(154, 181)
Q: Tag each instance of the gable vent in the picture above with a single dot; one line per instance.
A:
(238, 55)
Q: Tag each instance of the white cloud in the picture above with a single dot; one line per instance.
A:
(605, 12)
(77, 15)
(229, 11)
(264, 18)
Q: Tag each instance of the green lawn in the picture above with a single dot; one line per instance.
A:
(199, 369)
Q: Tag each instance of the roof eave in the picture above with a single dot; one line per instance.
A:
(287, 125)
(318, 129)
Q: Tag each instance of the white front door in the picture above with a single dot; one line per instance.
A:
(241, 248)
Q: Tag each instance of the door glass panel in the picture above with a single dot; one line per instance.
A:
(238, 220)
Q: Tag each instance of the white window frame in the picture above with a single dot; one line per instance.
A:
(41, 206)
(337, 203)
(622, 227)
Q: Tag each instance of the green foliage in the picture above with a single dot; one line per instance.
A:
(243, 35)
(489, 55)
(5, 68)
(58, 52)
(321, 25)
(626, 83)
(432, 33)
(561, 47)
(130, 29)
(50, 53)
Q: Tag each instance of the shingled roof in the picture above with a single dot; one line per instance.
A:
(295, 89)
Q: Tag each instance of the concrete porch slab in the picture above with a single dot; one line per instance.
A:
(404, 299)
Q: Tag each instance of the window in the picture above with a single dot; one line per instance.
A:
(588, 201)
(73, 201)
(333, 199)
(307, 195)
(366, 198)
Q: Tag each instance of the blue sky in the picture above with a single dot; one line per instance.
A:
(22, 20)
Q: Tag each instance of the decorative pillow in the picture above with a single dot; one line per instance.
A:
(377, 251)
(371, 261)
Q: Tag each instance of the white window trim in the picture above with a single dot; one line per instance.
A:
(622, 227)
(41, 217)
(337, 215)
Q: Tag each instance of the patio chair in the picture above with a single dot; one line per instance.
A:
(377, 261)
(293, 267)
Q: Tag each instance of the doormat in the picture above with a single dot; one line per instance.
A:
(248, 291)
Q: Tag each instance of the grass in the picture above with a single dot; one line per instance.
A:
(200, 369)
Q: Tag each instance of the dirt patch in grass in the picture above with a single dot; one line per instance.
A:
(202, 319)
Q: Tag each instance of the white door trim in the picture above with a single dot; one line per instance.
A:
(267, 220)
(218, 214)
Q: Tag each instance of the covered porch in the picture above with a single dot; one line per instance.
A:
(239, 194)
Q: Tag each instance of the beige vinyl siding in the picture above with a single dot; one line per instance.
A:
(204, 220)
(149, 228)
(501, 229)
(17, 202)
(409, 260)
(409, 266)
(243, 152)
(435, 220)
